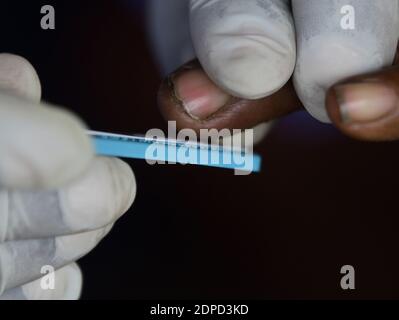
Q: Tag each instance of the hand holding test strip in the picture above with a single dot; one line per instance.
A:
(258, 60)
(58, 199)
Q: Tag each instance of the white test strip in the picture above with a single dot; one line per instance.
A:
(174, 151)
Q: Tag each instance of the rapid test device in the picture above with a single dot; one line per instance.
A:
(156, 150)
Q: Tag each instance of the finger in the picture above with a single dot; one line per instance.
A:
(247, 47)
(98, 198)
(336, 41)
(67, 286)
(191, 89)
(18, 77)
(40, 146)
(22, 261)
(367, 107)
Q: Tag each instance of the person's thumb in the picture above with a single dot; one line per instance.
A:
(247, 47)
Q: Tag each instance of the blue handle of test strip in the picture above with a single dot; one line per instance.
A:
(138, 150)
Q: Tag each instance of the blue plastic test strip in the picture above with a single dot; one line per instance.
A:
(174, 151)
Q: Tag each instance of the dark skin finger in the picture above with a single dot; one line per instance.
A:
(234, 113)
(363, 107)
(367, 107)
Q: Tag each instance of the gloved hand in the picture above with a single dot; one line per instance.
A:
(239, 64)
(57, 200)
(247, 53)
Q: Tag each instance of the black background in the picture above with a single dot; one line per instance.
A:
(322, 201)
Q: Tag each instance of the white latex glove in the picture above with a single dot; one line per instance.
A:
(329, 53)
(248, 47)
(57, 201)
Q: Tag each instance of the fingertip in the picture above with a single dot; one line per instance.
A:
(190, 98)
(197, 94)
(367, 109)
(251, 71)
(102, 195)
(43, 147)
(73, 284)
(19, 77)
(68, 282)
(233, 113)
(70, 150)
(246, 47)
